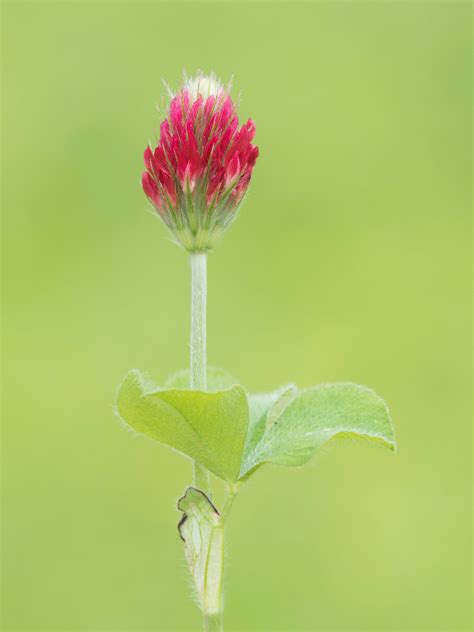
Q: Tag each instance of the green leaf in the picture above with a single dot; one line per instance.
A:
(297, 425)
(232, 434)
(201, 531)
(208, 427)
(264, 408)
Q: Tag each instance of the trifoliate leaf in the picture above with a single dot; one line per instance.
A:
(201, 531)
(208, 427)
(232, 434)
(298, 425)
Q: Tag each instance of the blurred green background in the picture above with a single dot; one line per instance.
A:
(350, 261)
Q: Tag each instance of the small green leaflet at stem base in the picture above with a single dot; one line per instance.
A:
(201, 531)
(232, 433)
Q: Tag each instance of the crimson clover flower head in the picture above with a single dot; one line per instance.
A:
(200, 170)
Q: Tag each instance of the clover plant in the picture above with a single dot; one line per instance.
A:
(196, 178)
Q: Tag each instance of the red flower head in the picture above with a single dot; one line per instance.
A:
(200, 170)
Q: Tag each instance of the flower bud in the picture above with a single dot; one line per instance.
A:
(200, 170)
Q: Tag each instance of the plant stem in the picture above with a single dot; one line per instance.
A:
(214, 621)
(198, 378)
(232, 490)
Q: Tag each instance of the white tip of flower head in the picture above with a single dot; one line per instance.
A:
(204, 85)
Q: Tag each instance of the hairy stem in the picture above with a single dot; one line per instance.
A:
(214, 621)
(198, 346)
